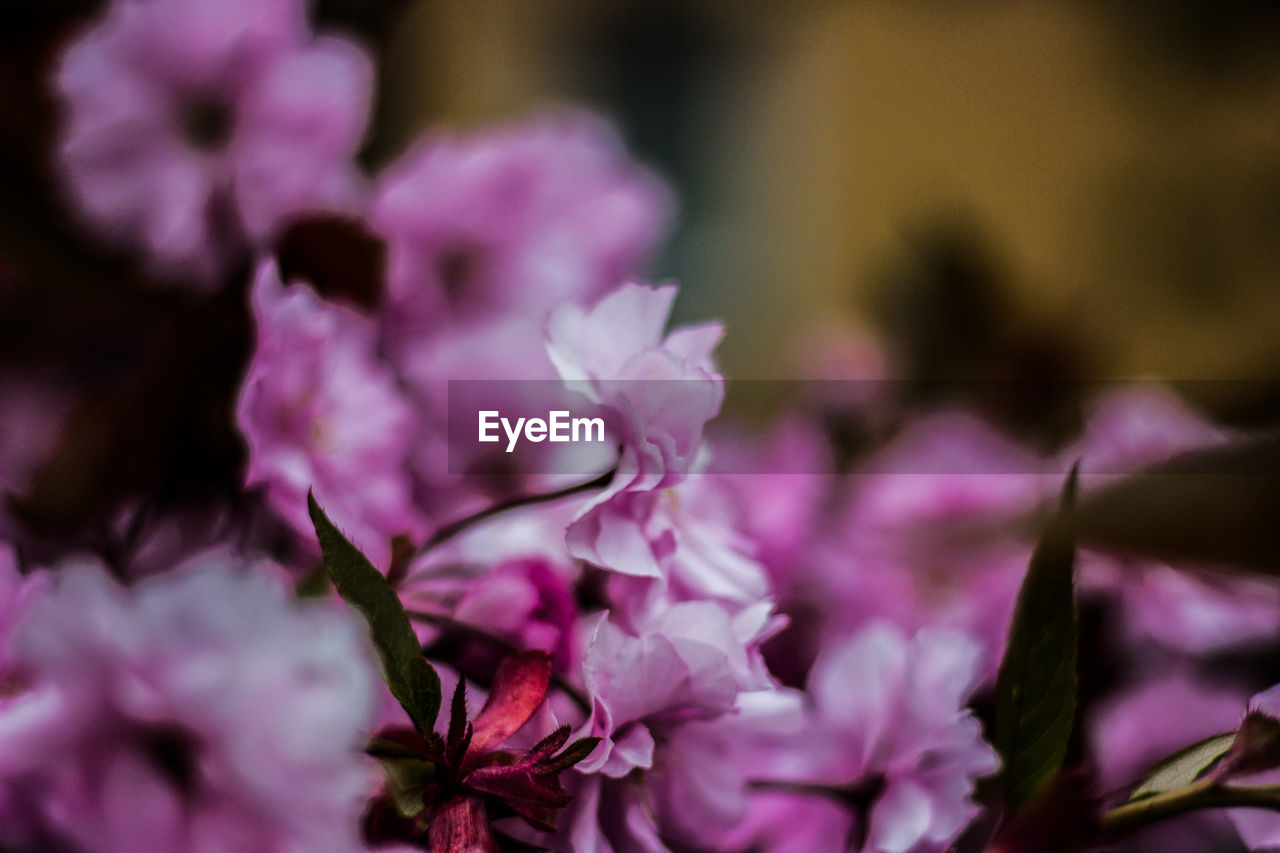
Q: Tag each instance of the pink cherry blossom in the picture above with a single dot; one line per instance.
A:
(194, 128)
(889, 717)
(925, 539)
(204, 710)
(512, 220)
(664, 387)
(689, 662)
(525, 602)
(319, 410)
(681, 543)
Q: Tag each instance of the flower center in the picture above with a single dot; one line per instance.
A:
(174, 751)
(207, 123)
(458, 268)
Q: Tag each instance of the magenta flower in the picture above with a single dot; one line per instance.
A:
(525, 602)
(320, 411)
(194, 128)
(890, 729)
(681, 543)
(689, 662)
(663, 387)
(702, 782)
(206, 709)
(512, 220)
(924, 540)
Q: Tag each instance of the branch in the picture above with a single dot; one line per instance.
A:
(1202, 794)
(453, 528)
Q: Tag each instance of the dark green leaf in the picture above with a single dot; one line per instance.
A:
(364, 588)
(459, 734)
(408, 779)
(1184, 766)
(1213, 507)
(1036, 685)
(382, 748)
(424, 686)
(314, 584)
(573, 753)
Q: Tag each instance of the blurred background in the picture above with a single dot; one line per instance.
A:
(1098, 179)
(1019, 191)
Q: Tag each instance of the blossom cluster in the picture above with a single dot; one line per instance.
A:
(749, 661)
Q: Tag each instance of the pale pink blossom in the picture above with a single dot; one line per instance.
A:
(204, 710)
(195, 128)
(319, 410)
(511, 220)
(927, 538)
(888, 716)
(664, 387)
(688, 662)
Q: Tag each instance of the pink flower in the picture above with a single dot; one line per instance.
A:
(689, 662)
(320, 411)
(18, 593)
(889, 720)
(680, 543)
(925, 539)
(696, 793)
(511, 220)
(701, 783)
(525, 602)
(205, 710)
(664, 388)
(195, 127)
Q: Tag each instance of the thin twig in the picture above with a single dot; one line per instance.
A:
(453, 528)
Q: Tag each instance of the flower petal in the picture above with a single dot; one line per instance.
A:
(518, 690)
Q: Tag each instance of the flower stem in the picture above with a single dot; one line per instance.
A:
(1202, 794)
(453, 528)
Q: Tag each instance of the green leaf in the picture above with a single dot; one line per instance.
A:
(424, 686)
(459, 734)
(1213, 507)
(408, 779)
(363, 587)
(1184, 766)
(1036, 685)
(573, 753)
(314, 584)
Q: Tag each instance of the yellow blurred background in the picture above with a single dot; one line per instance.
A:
(1115, 172)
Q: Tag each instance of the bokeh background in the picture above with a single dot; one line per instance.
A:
(1028, 192)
